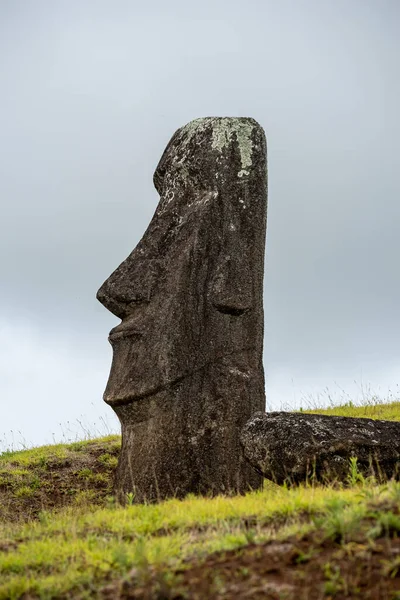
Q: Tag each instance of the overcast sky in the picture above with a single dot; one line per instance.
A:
(92, 90)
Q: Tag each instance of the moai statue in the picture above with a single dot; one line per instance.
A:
(187, 370)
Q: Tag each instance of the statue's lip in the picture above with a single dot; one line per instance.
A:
(122, 331)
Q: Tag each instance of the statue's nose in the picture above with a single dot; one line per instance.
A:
(130, 285)
(123, 298)
(111, 302)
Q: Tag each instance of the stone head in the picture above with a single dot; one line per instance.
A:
(190, 293)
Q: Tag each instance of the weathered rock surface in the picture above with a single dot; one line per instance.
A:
(295, 446)
(187, 357)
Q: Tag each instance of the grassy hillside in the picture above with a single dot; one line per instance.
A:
(62, 536)
(55, 476)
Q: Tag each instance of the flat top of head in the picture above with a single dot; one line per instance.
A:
(210, 136)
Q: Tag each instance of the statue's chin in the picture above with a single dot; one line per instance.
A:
(138, 372)
(134, 373)
(114, 400)
(114, 397)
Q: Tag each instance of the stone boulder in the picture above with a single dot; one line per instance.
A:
(294, 447)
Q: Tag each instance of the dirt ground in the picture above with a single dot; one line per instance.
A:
(305, 569)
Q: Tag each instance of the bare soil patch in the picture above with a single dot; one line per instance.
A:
(296, 569)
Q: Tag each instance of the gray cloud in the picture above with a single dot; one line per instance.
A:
(91, 93)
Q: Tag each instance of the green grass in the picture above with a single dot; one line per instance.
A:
(43, 454)
(68, 551)
(373, 410)
(81, 540)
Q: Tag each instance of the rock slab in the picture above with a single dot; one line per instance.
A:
(294, 447)
(187, 368)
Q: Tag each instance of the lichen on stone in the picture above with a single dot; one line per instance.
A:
(223, 130)
(222, 135)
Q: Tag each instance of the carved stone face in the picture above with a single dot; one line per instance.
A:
(190, 293)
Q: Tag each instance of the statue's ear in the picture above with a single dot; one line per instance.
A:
(232, 290)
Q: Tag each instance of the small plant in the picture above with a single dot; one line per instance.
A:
(107, 460)
(334, 582)
(130, 497)
(391, 568)
(42, 462)
(120, 557)
(110, 502)
(219, 584)
(77, 446)
(85, 473)
(341, 523)
(354, 477)
(35, 482)
(84, 497)
(44, 517)
(141, 559)
(304, 557)
(25, 491)
(394, 491)
(387, 523)
(372, 493)
(250, 535)
(164, 585)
